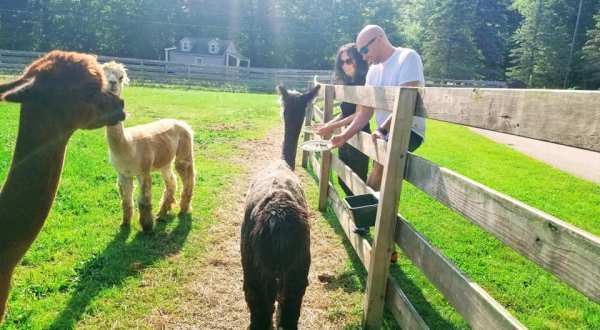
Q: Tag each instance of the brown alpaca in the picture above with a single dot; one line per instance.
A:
(275, 234)
(140, 150)
(59, 93)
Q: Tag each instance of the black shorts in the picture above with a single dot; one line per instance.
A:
(415, 141)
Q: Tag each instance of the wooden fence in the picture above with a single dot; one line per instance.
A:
(222, 77)
(160, 72)
(573, 255)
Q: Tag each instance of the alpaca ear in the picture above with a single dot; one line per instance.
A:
(282, 91)
(10, 85)
(21, 93)
(312, 94)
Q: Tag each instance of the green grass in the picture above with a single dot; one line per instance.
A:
(534, 296)
(84, 271)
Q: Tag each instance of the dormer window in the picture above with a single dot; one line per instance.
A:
(186, 45)
(213, 47)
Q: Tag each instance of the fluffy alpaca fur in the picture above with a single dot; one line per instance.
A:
(275, 234)
(59, 93)
(137, 151)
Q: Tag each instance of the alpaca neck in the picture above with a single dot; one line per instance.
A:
(290, 143)
(117, 138)
(31, 184)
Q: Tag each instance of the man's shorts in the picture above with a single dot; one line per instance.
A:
(415, 141)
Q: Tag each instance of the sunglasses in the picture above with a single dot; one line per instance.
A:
(347, 61)
(365, 49)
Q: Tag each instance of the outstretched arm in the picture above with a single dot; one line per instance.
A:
(361, 118)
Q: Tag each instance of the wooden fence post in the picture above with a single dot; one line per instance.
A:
(307, 121)
(326, 155)
(387, 209)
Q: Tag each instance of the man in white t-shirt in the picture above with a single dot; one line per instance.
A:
(389, 66)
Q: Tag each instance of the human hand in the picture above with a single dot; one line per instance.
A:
(324, 130)
(377, 134)
(338, 140)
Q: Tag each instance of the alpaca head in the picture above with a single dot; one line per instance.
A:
(67, 88)
(116, 76)
(294, 108)
(294, 105)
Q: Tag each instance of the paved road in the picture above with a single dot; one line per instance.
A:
(582, 163)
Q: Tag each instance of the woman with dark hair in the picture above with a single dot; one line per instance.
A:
(350, 69)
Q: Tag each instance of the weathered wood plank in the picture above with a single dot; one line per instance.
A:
(565, 117)
(351, 179)
(307, 136)
(375, 150)
(376, 97)
(385, 223)
(403, 311)
(563, 249)
(559, 116)
(440, 270)
(470, 300)
(318, 113)
(325, 155)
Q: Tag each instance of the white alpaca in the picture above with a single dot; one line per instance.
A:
(139, 150)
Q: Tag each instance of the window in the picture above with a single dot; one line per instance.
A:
(199, 61)
(185, 45)
(213, 47)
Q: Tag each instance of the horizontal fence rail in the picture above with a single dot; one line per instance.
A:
(144, 71)
(235, 78)
(565, 117)
(570, 253)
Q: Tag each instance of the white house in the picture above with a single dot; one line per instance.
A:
(203, 51)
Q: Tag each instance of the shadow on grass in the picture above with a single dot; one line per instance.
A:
(121, 260)
(346, 280)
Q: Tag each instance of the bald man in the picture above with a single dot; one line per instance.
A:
(389, 66)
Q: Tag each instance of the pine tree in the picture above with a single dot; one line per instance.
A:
(449, 49)
(493, 26)
(591, 54)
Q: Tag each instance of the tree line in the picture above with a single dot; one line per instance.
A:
(541, 43)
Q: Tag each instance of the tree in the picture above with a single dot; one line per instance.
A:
(591, 54)
(450, 50)
(542, 42)
(494, 24)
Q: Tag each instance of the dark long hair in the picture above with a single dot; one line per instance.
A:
(361, 66)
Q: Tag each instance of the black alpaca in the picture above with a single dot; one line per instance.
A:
(275, 242)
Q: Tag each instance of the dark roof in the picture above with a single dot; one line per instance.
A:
(200, 46)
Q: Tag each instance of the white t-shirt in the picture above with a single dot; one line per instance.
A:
(403, 66)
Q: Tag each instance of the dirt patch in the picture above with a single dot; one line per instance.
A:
(214, 299)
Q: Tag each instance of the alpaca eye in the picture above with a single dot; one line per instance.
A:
(120, 78)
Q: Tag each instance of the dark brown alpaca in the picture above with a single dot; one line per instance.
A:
(275, 239)
(59, 93)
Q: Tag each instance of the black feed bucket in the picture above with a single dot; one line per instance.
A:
(363, 208)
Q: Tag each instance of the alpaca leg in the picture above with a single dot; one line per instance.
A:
(126, 191)
(290, 299)
(5, 275)
(260, 298)
(169, 194)
(185, 169)
(145, 201)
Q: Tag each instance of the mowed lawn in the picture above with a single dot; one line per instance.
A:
(535, 297)
(84, 271)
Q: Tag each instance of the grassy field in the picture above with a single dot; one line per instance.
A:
(84, 272)
(538, 299)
